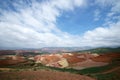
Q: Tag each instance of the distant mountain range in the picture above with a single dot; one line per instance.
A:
(63, 49)
(57, 50)
(102, 50)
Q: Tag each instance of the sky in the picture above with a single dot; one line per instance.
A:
(59, 23)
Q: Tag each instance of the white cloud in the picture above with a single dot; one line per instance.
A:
(33, 26)
(114, 7)
(96, 15)
(104, 3)
(108, 36)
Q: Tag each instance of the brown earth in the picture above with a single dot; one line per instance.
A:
(108, 57)
(73, 58)
(11, 61)
(87, 64)
(46, 59)
(100, 60)
(6, 69)
(42, 75)
(79, 60)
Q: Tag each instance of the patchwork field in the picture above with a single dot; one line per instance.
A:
(65, 66)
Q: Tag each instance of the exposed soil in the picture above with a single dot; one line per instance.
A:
(42, 75)
(88, 63)
(10, 62)
(106, 57)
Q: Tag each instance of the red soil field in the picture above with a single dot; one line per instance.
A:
(73, 58)
(10, 61)
(106, 57)
(42, 75)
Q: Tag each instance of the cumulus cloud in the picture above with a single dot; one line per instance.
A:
(108, 36)
(108, 33)
(34, 26)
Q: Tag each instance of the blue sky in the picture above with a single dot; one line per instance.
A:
(59, 23)
(80, 19)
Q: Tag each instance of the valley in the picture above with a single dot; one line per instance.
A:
(83, 65)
